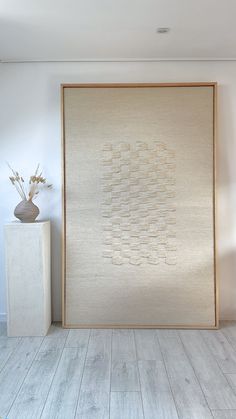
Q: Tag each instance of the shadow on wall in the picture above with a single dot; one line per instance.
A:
(56, 257)
(226, 197)
(227, 284)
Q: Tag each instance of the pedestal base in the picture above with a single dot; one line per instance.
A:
(28, 276)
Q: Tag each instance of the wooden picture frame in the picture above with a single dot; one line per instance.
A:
(195, 325)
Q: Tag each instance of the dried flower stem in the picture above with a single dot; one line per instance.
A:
(19, 190)
(34, 182)
(19, 185)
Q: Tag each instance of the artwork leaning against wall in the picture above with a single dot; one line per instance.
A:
(139, 197)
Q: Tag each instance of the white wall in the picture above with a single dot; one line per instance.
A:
(30, 133)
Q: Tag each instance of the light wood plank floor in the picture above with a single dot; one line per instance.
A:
(119, 374)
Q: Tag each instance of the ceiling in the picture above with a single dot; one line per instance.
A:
(68, 30)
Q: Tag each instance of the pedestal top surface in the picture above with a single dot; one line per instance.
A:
(20, 224)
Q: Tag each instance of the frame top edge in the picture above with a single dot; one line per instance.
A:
(107, 85)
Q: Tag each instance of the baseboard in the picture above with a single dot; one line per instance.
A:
(3, 317)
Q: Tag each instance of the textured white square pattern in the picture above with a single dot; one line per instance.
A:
(139, 205)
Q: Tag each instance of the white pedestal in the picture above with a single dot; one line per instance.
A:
(28, 278)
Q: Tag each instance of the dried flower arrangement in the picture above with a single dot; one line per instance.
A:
(34, 184)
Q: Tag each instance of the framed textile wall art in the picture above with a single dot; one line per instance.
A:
(139, 205)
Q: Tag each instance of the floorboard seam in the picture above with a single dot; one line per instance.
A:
(53, 378)
(82, 375)
(163, 360)
(196, 376)
(110, 375)
(25, 377)
(230, 384)
(14, 350)
(139, 378)
(225, 374)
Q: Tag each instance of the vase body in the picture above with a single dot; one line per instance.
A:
(26, 211)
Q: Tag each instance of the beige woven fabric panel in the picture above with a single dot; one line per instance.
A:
(139, 230)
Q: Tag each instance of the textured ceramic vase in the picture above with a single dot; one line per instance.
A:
(26, 211)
